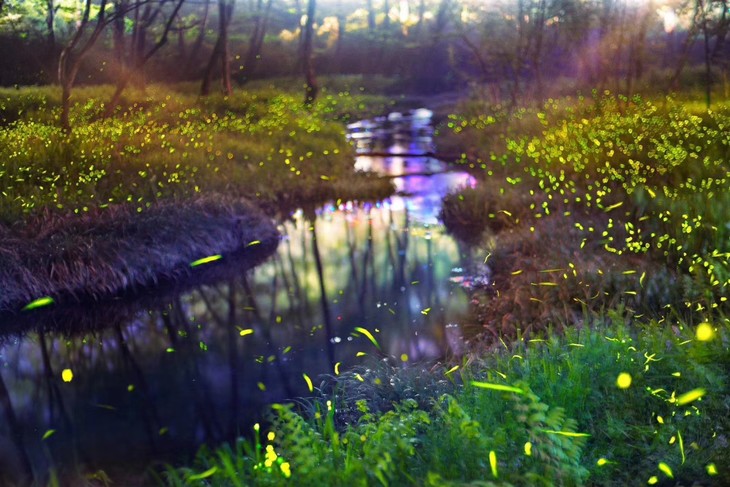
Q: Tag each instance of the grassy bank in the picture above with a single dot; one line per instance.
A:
(104, 252)
(126, 200)
(596, 203)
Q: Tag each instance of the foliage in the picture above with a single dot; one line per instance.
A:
(541, 412)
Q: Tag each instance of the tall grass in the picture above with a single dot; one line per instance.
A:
(159, 144)
(541, 412)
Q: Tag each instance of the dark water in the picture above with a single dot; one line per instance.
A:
(158, 377)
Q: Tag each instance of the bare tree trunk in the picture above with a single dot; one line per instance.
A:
(225, 55)
(708, 59)
(50, 56)
(195, 49)
(311, 90)
(50, 18)
(688, 42)
(371, 16)
(220, 51)
(119, 47)
(537, 54)
(341, 31)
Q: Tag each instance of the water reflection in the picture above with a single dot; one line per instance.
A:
(158, 377)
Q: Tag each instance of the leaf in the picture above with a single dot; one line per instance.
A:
(204, 475)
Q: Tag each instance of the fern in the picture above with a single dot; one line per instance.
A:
(556, 446)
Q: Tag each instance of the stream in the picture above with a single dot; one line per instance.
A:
(123, 384)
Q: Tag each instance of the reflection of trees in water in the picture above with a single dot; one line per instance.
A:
(130, 367)
(377, 261)
(326, 316)
(22, 473)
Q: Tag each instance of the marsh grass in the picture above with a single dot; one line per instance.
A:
(106, 251)
(560, 419)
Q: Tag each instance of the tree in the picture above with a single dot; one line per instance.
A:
(220, 51)
(51, 10)
(371, 16)
(256, 41)
(198, 43)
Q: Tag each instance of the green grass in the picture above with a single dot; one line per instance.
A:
(261, 144)
(564, 420)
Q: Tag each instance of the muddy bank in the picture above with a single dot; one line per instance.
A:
(118, 249)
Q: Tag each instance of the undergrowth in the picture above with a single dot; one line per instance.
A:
(611, 404)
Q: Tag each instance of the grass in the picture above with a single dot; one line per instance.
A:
(132, 199)
(259, 144)
(595, 203)
(105, 252)
(541, 412)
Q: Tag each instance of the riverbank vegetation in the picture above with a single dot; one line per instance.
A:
(69, 200)
(619, 402)
(594, 203)
(600, 225)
